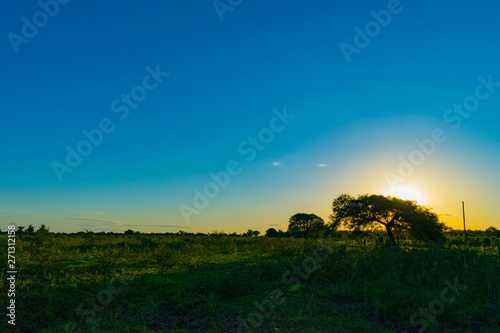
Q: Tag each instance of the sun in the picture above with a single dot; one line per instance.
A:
(405, 193)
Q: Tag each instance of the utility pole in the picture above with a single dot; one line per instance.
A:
(465, 229)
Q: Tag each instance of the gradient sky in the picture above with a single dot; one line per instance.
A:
(353, 120)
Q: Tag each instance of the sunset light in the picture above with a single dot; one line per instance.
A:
(406, 193)
(250, 166)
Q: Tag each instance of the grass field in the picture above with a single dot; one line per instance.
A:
(216, 283)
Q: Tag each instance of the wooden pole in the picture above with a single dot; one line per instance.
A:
(465, 229)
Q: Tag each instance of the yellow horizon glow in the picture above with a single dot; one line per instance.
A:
(405, 192)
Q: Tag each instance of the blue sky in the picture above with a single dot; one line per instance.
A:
(352, 120)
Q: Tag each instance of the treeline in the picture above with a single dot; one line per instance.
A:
(364, 216)
(43, 229)
(490, 236)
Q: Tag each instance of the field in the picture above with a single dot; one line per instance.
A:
(90, 282)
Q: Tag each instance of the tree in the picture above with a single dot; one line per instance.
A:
(31, 229)
(43, 229)
(305, 223)
(486, 241)
(492, 231)
(129, 232)
(393, 214)
(283, 234)
(271, 232)
(20, 229)
(256, 233)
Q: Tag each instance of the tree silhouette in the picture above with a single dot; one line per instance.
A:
(393, 214)
(271, 232)
(43, 229)
(30, 229)
(129, 232)
(305, 223)
(492, 231)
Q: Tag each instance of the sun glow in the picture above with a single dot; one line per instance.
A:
(405, 193)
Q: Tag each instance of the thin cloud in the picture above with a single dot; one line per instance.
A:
(105, 223)
(323, 165)
(114, 224)
(163, 226)
(275, 225)
(88, 219)
(276, 163)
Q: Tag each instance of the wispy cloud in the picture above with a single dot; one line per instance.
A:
(101, 222)
(275, 225)
(323, 165)
(276, 163)
(89, 219)
(164, 226)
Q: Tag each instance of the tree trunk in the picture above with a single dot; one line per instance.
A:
(391, 236)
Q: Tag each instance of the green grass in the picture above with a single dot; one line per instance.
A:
(154, 283)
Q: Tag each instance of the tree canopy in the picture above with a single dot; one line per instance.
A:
(393, 214)
(129, 232)
(305, 223)
(271, 232)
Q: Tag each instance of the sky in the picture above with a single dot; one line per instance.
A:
(160, 116)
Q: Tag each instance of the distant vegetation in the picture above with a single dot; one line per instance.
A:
(342, 276)
(476, 238)
(398, 217)
(306, 224)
